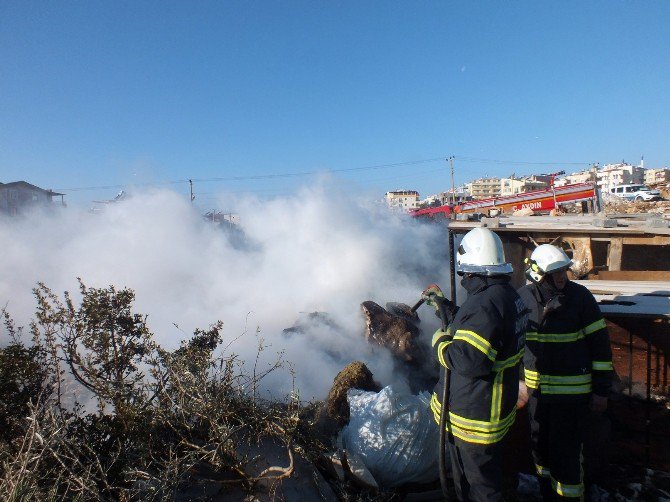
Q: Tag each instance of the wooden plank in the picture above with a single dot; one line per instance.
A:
(623, 287)
(614, 254)
(652, 240)
(574, 224)
(636, 299)
(634, 275)
(634, 306)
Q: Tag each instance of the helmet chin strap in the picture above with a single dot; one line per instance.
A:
(548, 289)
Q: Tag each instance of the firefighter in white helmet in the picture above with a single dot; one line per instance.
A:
(567, 369)
(482, 348)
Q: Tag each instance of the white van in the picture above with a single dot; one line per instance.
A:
(635, 192)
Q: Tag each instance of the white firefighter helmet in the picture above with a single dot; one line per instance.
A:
(546, 259)
(481, 252)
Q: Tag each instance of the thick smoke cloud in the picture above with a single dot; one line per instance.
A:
(325, 249)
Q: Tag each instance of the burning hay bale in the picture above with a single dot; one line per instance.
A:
(355, 375)
(396, 333)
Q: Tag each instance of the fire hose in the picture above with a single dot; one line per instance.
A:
(444, 412)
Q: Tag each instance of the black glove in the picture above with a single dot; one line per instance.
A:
(445, 309)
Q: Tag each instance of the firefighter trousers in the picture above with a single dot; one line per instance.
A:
(556, 431)
(476, 469)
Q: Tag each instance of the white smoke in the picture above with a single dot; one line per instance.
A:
(325, 249)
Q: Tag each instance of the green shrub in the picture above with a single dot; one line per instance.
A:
(159, 417)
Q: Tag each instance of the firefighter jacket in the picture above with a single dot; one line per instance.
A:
(482, 349)
(568, 353)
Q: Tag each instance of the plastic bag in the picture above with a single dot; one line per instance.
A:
(395, 434)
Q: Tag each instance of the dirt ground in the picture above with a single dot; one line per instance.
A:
(659, 207)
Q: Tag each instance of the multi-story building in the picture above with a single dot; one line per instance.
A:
(544, 178)
(613, 175)
(654, 176)
(484, 188)
(19, 196)
(580, 177)
(510, 186)
(457, 196)
(403, 199)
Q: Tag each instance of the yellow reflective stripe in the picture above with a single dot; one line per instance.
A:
(591, 328)
(565, 490)
(471, 435)
(496, 396)
(532, 378)
(531, 374)
(534, 336)
(542, 471)
(499, 367)
(483, 426)
(565, 379)
(510, 362)
(439, 334)
(478, 438)
(436, 405)
(566, 389)
(477, 342)
(558, 384)
(440, 353)
(603, 365)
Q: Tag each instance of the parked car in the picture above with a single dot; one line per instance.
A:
(636, 192)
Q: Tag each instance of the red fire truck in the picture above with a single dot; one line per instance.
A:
(538, 200)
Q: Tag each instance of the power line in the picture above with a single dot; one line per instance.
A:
(256, 177)
(464, 159)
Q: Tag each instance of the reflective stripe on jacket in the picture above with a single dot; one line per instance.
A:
(567, 350)
(483, 352)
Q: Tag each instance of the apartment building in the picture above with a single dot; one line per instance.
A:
(457, 196)
(579, 177)
(403, 199)
(654, 176)
(484, 188)
(613, 175)
(511, 186)
(494, 187)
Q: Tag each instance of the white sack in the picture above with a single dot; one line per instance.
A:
(395, 434)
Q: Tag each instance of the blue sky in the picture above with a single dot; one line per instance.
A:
(253, 96)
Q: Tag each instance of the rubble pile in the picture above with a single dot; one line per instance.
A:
(634, 207)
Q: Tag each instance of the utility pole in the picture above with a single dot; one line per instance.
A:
(190, 182)
(453, 189)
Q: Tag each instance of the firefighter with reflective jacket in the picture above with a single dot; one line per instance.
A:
(482, 349)
(567, 369)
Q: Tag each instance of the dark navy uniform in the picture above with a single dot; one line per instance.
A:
(568, 357)
(482, 348)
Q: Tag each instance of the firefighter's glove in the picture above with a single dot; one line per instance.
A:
(441, 336)
(444, 309)
(431, 294)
